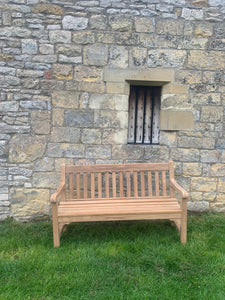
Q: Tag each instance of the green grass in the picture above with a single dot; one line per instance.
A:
(120, 260)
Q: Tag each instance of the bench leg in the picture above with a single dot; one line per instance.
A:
(56, 235)
(183, 232)
(55, 224)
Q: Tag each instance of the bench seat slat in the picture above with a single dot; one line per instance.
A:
(119, 209)
(116, 205)
(117, 200)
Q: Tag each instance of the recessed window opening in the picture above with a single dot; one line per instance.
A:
(144, 111)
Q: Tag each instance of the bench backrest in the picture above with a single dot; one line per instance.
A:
(117, 181)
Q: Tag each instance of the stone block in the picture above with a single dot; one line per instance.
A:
(40, 122)
(7, 106)
(144, 24)
(120, 23)
(89, 74)
(118, 57)
(98, 22)
(60, 36)
(217, 170)
(211, 60)
(128, 152)
(98, 152)
(138, 57)
(166, 58)
(71, 60)
(203, 184)
(171, 27)
(168, 138)
(60, 161)
(84, 100)
(206, 99)
(217, 207)
(203, 30)
(29, 46)
(84, 37)
(65, 99)
(25, 148)
(156, 153)
(114, 137)
(109, 102)
(62, 71)
(46, 164)
(96, 55)
(117, 88)
(212, 114)
(220, 198)
(106, 37)
(3, 148)
(46, 49)
(112, 119)
(195, 196)
(65, 150)
(79, 118)
(91, 87)
(192, 14)
(57, 116)
(198, 206)
(176, 120)
(190, 142)
(188, 77)
(175, 89)
(49, 180)
(47, 9)
(185, 155)
(69, 50)
(65, 134)
(27, 204)
(209, 156)
(74, 23)
(91, 136)
(192, 169)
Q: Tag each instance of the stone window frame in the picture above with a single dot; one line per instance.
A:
(118, 81)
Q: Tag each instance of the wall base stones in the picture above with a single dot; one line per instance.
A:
(65, 73)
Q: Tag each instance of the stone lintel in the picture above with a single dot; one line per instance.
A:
(176, 120)
(154, 75)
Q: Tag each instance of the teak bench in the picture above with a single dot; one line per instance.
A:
(141, 191)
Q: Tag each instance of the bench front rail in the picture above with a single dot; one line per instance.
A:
(118, 192)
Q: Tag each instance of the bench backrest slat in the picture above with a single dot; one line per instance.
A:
(121, 184)
(128, 185)
(118, 181)
(164, 183)
(78, 185)
(71, 189)
(107, 184)
(99, 185)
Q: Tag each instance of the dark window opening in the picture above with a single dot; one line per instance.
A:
(144, 111)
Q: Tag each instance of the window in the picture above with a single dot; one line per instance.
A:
(144, 109)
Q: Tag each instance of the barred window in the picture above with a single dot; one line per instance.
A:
(144, 111)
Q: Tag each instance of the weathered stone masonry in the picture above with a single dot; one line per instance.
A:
(65, 71)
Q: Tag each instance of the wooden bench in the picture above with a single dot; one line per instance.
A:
(141, 191)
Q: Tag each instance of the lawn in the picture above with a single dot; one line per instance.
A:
(120, 260)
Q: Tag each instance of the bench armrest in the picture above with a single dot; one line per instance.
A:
(60, 190)
(176, 187)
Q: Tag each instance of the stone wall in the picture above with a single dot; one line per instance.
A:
(65, 70)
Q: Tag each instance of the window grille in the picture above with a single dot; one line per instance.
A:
(144, 111)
